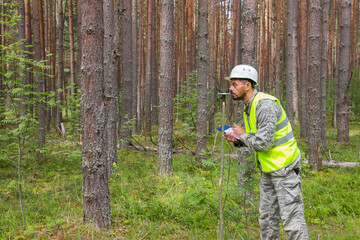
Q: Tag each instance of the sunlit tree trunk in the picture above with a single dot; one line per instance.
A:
(164, 162)
(314, 90)
(342, 103)
(96, 194)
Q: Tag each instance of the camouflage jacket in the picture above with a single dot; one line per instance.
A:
(268, 113)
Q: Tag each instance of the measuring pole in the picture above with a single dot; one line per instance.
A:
(223, 95)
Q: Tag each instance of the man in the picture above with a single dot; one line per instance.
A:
(269, 132)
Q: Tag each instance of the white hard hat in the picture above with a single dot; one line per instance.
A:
(244, 72)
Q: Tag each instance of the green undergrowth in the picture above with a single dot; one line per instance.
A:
(182, 206)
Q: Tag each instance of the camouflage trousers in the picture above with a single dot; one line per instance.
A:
(280, 197)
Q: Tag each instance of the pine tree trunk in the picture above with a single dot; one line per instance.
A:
(314, 90)
(127, 84)
(291, 60)
(60, 76)
(203, 57)
(72, 53)
(164, 162)
(96, 194)
(249, 33)
(248, 56)
(79, 43)
(303, 74)
(212, 76)
(134, 20)
(110, 78)
(150, 50)
(323, 83)
(39, 79)
(278, 14)
(342, 103)
(21, 31)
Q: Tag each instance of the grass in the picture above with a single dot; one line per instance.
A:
(182, 206)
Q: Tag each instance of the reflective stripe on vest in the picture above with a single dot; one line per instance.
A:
(285, 150)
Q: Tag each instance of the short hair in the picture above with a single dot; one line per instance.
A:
(250, 81)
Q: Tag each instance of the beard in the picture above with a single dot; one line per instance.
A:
(237, 98)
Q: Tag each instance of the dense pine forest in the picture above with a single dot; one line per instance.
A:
(109, 110)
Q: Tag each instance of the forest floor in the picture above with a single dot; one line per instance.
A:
(182, 206)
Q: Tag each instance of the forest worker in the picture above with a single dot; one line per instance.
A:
(269, 133)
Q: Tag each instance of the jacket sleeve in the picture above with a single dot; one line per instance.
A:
(268, 113)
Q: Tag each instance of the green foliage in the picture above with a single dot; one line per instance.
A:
(185, 103)
(354, 95)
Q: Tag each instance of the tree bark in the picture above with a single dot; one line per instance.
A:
(96, 194)
(135, 81)
(303, 73)
(150, 50)
(342, 100)
(164, 162)
(127, 84)
(212, 76)
(110, 78)
(203, 57)
(39, 79)
(323, 82)
(314, 84)
(22, 37)
(72, 53)
(60, 77)
(291, 60)
(278, 14)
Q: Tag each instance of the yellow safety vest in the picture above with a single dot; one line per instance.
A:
(285, 148)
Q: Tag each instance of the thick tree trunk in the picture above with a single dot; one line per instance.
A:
(342, 100)
(203, 57)
(314, 90)
(303, 73)
(248, 56)
(164, 162)
(96, 194)
(127, 81)
(249, 33)
(291, 60)
(110, 77)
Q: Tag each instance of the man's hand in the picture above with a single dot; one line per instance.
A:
(237, 132)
